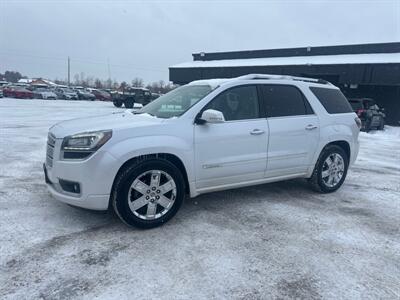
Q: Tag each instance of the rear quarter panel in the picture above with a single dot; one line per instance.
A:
(333, 127)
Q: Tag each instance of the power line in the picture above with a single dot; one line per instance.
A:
(82, 61)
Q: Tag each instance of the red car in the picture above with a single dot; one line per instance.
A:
(17, 92)
(101, 95)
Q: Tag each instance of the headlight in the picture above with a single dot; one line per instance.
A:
(81, 145)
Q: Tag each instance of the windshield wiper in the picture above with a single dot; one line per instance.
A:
(139, 113)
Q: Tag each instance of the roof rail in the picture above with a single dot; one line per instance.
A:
(273, 76)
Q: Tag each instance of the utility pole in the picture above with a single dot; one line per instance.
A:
(109, 71)
(69, 72)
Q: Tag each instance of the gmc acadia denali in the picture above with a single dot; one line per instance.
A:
(208, 135)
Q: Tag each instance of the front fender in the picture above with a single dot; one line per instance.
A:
(146, 145)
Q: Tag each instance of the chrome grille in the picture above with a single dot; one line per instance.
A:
(51, 141)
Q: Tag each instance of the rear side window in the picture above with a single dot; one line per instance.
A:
(285, 100)
(332, 100)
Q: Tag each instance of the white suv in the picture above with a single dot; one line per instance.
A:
(208, 135)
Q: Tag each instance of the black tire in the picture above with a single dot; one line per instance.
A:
(122, 192)
(117, 103)
(129, 103)
(381, 124)
(316, 181)
(367, 125)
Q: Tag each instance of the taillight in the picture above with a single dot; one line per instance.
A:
(358, 122)
(360, 112)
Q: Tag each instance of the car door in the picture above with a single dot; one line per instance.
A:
(293, 130)
(236, 150)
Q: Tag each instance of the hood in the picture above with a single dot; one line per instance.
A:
(115, 121)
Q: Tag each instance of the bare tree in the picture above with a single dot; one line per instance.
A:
(76, 79)
(12, 76)
(160, 87)
(89, 81)
(108, 83)
(123, 85)
(98, 84)
(137, 82)
(115, 85)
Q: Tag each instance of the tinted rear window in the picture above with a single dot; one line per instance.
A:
(332, 100)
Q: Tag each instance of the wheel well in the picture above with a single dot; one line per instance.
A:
(344, 145)
(166, 156)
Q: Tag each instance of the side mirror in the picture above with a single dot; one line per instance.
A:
(211, 116)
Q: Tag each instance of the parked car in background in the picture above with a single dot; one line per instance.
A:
(66, 94)
(208, 135)
(131, 95)
(371, 116)
(101, 95)
(17, 92)
(85, 95)
(44, 93)
(3, 83)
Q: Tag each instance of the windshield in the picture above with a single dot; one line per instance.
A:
(176, 102)
(68, 91)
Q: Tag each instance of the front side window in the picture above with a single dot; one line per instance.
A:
(285, 100)
(238, 103)
(176, 102)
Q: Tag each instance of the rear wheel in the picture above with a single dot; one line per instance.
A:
(381, 124)
(330, 170)
(129, 103)
(148, 194)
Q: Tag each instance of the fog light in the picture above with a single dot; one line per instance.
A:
(70, 186)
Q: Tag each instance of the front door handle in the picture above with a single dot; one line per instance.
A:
(311, 127)
(257, 132)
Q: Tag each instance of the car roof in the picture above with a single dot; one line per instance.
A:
(257, 77)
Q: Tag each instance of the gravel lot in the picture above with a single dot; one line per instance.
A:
(278, 240)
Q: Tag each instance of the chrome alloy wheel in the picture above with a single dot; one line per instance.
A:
(332, 170)
(152, 194)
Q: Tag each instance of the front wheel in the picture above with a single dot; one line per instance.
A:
(148, 194)
(117, 103)
(330, 170)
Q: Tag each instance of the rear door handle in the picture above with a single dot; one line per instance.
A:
(257, 132)
(311, 127)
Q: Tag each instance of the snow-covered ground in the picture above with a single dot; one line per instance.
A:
(276, 240)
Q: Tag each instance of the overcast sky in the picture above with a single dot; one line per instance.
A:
(143, 38)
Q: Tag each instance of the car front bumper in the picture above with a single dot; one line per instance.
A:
(94, 175)
(94, 202)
